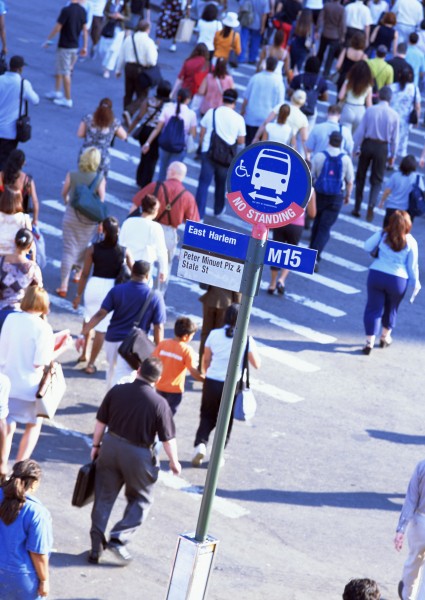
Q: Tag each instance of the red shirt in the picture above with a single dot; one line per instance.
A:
(183, 210)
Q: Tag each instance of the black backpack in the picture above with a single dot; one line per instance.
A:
(312, 96)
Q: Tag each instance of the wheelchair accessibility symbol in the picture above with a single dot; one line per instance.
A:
(272, 170)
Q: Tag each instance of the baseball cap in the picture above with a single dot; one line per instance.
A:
(16, 62)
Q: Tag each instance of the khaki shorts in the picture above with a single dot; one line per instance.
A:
(65, 60)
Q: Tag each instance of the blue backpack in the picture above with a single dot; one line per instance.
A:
(172, 137)
(416, 200)
(329, 182)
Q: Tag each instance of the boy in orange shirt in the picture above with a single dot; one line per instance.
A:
(177, 356)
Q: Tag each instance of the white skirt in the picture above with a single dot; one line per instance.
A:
(94, 294)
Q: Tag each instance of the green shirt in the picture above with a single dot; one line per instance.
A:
(382, 72)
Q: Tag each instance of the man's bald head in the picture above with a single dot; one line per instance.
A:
(176, 170)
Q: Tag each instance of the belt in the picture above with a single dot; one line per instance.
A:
(376, 141)
(122, 439)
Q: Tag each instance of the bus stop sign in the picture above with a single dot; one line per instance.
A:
(268, 183)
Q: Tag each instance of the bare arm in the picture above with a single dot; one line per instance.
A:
(395, 43)
(206, 359)
(66, 187)
(83, 50)
(343, 90)
(340, 60)
(3, 34)
(368, 100)
(129, 259)
(158, 333)
(254, 358)
(170, 448)
(348, 191)
(384, 197)
(99, 430)
(41, 566)
(196, 374)
(138, 117)
(374, 34)
(154, 134)
(3, 448)
(82, 130)
(88, 261)
(95, 320)
(121, 133)
(101, 190)
(240, 140)
(367, 34)
(243, 107)
(265, 137)
(35, 203)
(262, 127)
(56, 29)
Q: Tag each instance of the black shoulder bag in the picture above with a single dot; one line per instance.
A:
(136, 346)
(148, 76)
(23, 124)
(220, 151)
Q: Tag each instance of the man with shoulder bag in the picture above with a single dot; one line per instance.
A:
(15, 93)
(139, 56)
(134, 306)
(222, 130)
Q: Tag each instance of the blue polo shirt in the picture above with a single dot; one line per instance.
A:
(126, 301)
(31, 531)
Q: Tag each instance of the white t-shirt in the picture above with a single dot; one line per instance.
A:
(376, 9)
(220, 346)
(229, 125)
(296, 118)
(145, 240)
(4, 395)
(314, 4)
(97, 7)
(279, 133)
(358, 15)
(207, 31)
(26, 340)
(186, 113)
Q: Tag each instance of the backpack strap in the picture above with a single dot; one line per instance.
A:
(135, 51)
(21, 95)
(169, 205)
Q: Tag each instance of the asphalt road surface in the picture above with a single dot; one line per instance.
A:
(310, 492)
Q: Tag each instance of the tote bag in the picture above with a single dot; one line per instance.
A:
(50, 391)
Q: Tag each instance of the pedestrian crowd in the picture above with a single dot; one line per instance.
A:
(373, 52)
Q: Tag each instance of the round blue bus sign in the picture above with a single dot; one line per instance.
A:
(268, 183)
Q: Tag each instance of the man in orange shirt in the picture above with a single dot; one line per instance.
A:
(177, 357)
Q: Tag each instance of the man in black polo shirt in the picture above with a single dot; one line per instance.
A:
(134, 414)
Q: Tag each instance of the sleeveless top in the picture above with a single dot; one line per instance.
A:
(107, 260)
(345, 67)
(385, 36)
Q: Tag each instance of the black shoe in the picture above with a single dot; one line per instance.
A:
(94, 557)
(385, 342)
(367, 350)
(120, 551)
(400, 589)
(280, 288)
(356, 213)
(271, 291)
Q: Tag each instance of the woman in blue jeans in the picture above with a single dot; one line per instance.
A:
(395, 266)
(25, 536)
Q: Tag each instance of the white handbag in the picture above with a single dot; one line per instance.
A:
(50, 391)
(185, 30)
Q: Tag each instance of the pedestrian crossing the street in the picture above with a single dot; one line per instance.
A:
(343, 273)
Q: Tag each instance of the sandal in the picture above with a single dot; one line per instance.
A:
(91, 369)
(271, 291)
(62, 293)
(81, 359)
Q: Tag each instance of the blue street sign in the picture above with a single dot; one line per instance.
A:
(287, 256)
(269, 183)
(215, 239)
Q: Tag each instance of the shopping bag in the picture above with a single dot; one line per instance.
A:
(185, 30)
(245, 405)
(84, 486)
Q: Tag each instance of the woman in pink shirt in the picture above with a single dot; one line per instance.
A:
(214, 85)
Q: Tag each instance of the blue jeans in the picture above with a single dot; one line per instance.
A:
(251, 38)
(328, 208)
(165, 158)
(384, 294)
(208, 170)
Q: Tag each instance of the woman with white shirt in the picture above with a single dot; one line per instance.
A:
(215, 361)
(208, 25)
(181, 110)
(26, 347)
(280, 131)
(395, 266)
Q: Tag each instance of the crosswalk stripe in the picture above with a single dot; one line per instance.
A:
(289, 359)
(331, 283)
(336, 235)
(314, 304)
(122, 179)
(274, 392)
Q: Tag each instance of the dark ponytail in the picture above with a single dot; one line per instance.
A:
(24, 474)
(111, 230)
(182, 95)
(230, 319)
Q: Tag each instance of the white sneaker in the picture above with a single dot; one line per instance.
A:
(63, 102)
(199, 455)
(106, 74)
(173, 48)
(53, 95)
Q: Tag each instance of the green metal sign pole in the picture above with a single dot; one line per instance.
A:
(250, 282)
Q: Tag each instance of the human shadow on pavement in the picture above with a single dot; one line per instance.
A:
(396, 438)
(77, 409)
(56, 446)
(71, 372)
(358, 500)
(301, 346)
(66, 559)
